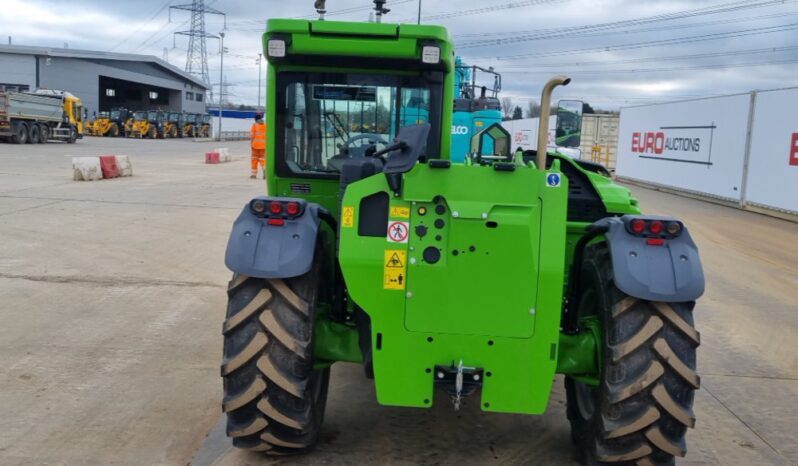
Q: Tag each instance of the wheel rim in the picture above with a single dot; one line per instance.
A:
(586, 394)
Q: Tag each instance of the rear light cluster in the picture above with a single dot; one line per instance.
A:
(657, 231)
(276, 212)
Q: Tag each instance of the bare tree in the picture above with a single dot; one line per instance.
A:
(507, 107)
(533, 109)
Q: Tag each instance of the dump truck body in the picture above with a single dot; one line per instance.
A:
(53, 114)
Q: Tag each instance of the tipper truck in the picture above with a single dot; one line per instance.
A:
(37, 117)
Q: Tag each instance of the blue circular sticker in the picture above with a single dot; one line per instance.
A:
(553, 180)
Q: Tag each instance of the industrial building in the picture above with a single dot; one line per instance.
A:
(102, 80)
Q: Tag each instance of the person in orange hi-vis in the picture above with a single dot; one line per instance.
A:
(257, 136)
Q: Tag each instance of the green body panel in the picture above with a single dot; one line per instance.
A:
(498, 322)
(335, 342)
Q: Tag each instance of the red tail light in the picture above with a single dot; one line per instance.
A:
(292, 208)
(275, 207)
(638, 226)
(655, 227)
(277, 222)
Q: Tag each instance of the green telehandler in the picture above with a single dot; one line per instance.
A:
(470, 282)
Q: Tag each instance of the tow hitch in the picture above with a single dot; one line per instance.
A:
(458, 381)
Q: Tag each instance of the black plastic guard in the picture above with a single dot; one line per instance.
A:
(257, 249)
(671, 272)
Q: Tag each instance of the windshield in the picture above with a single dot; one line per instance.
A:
(152, 116)
(140, 116)
(326, 118)
(115, 114)
(191, 118)
(174, 117)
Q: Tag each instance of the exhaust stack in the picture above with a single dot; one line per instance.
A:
(545, 106)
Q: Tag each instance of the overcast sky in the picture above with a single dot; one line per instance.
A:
(618, 52)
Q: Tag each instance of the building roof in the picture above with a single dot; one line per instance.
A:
(95, 55)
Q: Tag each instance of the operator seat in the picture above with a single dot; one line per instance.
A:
(356, 169)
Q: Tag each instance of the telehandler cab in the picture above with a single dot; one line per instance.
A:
(366, 248)
(173, 125)
(148, 124)
(111, 124)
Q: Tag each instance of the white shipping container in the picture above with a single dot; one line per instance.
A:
(773, 162)
(696, 146)
(600, 131)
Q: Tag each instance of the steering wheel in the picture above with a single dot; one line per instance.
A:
(356, 145)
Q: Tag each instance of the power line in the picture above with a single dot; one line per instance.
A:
(344, 11)
(664, 70)
(656, 59)
(157, 12)
(475, 11)
(523, 36)
(671, 27)
(655, 43)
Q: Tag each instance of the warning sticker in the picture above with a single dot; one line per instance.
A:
(398, 232)
(394, 271)
(348, 217)
(400, 212)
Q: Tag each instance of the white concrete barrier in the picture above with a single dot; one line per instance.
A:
(86, 169)
(224, 154)
(125, 167)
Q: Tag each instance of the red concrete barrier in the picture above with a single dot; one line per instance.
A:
(212, 157)
(108, 166)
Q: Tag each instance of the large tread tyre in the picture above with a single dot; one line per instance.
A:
(33, 133)
(152, 133)
(19, 133)
(113, 131)
(273, 397)
(640, 412)
(73, 135)
(44, 134)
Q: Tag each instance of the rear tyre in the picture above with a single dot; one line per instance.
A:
(44, 134)
(33, 133)
(73, 135)
(19, 132)
(640, 412)
(273, 397)
(152, 133)
(114, 131)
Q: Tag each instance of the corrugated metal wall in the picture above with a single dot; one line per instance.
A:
(18, 70)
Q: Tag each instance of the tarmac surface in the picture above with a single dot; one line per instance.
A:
(112, 296)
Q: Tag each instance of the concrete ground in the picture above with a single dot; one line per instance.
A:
(112, 295)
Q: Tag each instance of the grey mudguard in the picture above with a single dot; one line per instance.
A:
(256, 249)
(671, 272)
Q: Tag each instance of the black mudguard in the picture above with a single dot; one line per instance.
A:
(671, 272)
(257, 249)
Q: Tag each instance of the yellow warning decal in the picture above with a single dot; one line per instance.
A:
(348, 217)
(394, 273)
(400, 212)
